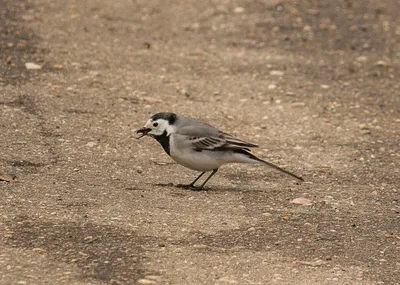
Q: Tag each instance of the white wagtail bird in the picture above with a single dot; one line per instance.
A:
(199, 146)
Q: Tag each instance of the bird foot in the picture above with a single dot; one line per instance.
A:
(190, 187)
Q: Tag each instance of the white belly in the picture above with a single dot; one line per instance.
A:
(200, 161)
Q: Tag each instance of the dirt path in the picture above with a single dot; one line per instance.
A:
(314, 83)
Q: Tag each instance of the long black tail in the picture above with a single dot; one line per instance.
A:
(270, 164)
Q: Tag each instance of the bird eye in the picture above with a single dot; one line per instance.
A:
(155, 124)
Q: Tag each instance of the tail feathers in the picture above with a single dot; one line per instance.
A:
(270, 164)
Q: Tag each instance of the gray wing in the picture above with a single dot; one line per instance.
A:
(208, 137)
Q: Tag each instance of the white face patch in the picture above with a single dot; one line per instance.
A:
(159, 126)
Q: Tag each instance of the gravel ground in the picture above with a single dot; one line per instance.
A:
(314, 83)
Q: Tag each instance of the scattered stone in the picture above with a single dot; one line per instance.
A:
(91, 144)
(33, 66)
(298, 104)
(6, 178)
(238, 10)
(88, 239)
(227, 279)
(366, 46)
(153, 277)
(362, 58)
(315, 263)
(276, 29)
(38, 250)
(324, 86)
(161, 163)
(363, 126)
(366, 132)
(195, 26)
(301, 201)
(381, 63)
(312, 11)
(58, 66)
(151, 100)
(272, 86)
(276, 73)
(145, 281)
(184, 92)
(200, 246)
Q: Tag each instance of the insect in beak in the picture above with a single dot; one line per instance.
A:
(143, 132)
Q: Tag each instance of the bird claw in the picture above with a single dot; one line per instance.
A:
(190, 187)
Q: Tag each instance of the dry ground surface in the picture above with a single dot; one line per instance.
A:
(314, 83)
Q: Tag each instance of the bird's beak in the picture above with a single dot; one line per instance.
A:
(143, 131)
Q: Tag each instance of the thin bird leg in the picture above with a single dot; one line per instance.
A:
(191, 185)
(209, 177)
(198, 177)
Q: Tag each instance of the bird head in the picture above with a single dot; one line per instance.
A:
(158, 125)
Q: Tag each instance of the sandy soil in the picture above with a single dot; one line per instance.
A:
(314, 83)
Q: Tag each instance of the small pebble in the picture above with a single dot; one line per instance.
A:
(301, 201)
(363, 126)
(91, 144)
(38, 249)
(276, 73)
(33, 66)
(227, 280)
(153, 277)
(145, 281)
(200, 246)
(298, 104)
(238, 10)
(313, 263)
(362, 58)
(381, 63)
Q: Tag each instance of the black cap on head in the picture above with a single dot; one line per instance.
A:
(170, 117)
